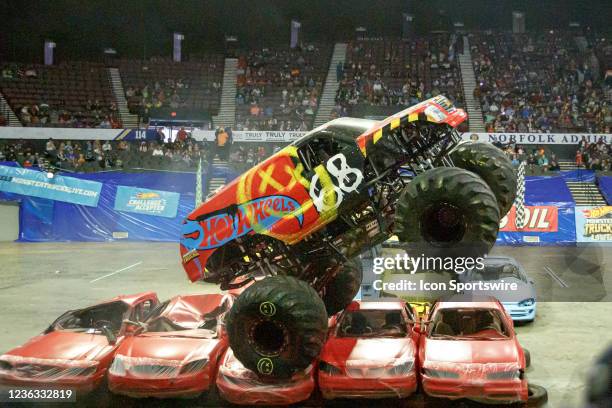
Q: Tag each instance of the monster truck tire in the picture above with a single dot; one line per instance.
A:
(277, 326)
(339, 293)
(537, 396)
(493, 166)
(447, 212)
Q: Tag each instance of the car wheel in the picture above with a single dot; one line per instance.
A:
(538, 396)
(277, 326)
(493, 166)
(447, 212)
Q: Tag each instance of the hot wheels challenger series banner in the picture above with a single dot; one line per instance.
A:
(59, 188)
(144, 201)
(594, 224)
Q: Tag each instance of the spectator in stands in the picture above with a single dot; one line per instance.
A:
(223, 142)
(50, 146)
(181, 135)
(157, 151)
(3, 121)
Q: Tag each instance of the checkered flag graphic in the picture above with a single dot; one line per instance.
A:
(519, 202)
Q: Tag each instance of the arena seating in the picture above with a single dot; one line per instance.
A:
(74, 94)
(279, 87)
(156, 83)
(387, 72)
(539, 82)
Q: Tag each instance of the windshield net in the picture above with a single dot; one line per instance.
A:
(373, 323)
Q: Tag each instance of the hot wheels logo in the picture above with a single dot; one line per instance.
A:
(215, 229)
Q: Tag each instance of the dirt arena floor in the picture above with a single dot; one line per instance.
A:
(573, 324)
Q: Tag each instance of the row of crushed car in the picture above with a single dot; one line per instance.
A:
(179, 348)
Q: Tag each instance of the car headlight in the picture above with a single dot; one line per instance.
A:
(505, 375)
(527, 302)
(329, 369)
(5, 366)
(440, 373)
(118, 367)
(194, 366)
(400, 369)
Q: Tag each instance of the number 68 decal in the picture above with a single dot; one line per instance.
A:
(328, 194)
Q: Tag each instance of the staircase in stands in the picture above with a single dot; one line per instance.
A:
(328, 96)
(586, 193)
(468, 78)
(227, 107)
(8, 113)
(216, 183)
(128, 119)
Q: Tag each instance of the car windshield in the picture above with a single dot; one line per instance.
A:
(164, 319)
(468, 323)
(93, 318)
(372, 323)
(497, 272)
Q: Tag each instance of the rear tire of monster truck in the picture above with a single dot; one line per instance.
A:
(277, 326)
(447, 212)
(341, 291)
(493, 166)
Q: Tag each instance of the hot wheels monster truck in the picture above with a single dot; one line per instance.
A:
(300, 217)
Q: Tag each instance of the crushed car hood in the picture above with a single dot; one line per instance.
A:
(360, 351)
(167, 347)
(468, 351)
(61, 345)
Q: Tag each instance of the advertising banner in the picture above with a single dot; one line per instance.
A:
(594, 224)
(537, 138)
(544, 224)
(59, 188)
(145, 201)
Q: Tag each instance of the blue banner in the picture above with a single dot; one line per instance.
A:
(145, 201)
(594, 224)
(605, 186)
(58, 188)
(545, 225)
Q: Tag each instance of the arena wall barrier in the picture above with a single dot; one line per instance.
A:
(277, 136)
(150, 206)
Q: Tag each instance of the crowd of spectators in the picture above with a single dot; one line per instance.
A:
(551, 82)
(279, 88)
(96, 155)
(384, 72)
(42, 96)
(594, 156)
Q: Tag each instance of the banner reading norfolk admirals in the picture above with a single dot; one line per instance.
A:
(144, 201)
(60, 188)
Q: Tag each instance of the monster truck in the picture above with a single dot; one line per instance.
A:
(292, 226)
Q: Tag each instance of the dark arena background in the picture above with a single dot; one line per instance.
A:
(209, 203)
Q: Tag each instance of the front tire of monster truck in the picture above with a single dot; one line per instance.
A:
(493, 166)
(341, 290)
(447, 212)
(277, 326)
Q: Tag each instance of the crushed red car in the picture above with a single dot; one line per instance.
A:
(470, 350)
(76, 350)
(175, 352)
(371, 352)
(239, 385)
